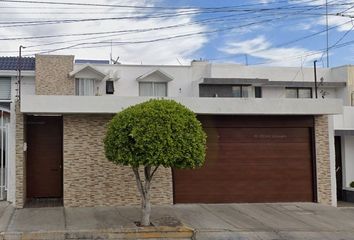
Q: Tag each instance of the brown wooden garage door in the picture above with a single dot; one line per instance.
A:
(251, 159)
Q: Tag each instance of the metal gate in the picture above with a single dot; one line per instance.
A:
(4, 150)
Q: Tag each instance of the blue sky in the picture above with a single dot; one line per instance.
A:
(259, 32)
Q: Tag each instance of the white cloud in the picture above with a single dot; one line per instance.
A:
(162, 52)
(336, 21)
(343, 6)
(259, 47)
(265, 1)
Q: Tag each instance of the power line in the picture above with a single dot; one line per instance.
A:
(100, 33)
(339, 40)
(209, 10)
(310, 53)
(146, 41)
(288, 42)
(61, 21)
(203, 21)
(153, 16)
(169, 37)
(126, 6)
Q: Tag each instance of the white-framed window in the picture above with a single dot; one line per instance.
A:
(153, 89)
(5, 88)
(85, 87)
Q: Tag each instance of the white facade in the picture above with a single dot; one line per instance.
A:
(344, 127)
(186, 78)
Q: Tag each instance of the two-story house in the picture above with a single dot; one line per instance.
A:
(8, 96)
(269, 138)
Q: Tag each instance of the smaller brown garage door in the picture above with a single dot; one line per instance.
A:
(251, 159)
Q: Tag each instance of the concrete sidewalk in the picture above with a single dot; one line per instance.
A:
(210, 221)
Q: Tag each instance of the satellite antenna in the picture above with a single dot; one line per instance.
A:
(115, 61)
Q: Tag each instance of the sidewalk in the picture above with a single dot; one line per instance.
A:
(210, 221)
(86, 223)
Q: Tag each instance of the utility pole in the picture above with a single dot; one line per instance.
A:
(19, 68)
(315, 74)
(246, 59)
(327, 48)
(111, 54)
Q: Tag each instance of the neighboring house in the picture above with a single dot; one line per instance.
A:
(344, 139)
(268, 139)
(8, 92)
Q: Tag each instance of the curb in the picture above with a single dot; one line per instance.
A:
(123, 233)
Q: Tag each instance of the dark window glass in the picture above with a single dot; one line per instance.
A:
(258, 92)
(236, 91)
(298, 92)
(109, 87)
(240, 91)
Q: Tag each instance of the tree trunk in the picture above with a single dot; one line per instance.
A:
(146, 205)
(144, 189)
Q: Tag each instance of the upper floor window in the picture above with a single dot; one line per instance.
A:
(5, 88)
(153, 89)
(85, 87)
(298, 92)
(240, 91)
(109, 87)
(258, 92)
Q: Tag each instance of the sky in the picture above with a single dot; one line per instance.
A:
(258, 32)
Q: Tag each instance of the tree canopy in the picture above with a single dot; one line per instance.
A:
(154, 133)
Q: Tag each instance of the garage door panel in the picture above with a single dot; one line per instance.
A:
(254, 172)
(251, 165)
(261, 135)
(256, 121)
(249, 150)
(258, 166)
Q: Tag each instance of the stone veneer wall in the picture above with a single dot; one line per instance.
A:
(52, 75)
(20, 159)
(324, 193)
(90, 179)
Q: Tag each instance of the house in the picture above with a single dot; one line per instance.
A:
(344, 139)
(8, 80)
(269, 139)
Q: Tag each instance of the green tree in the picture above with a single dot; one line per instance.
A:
(153, 134)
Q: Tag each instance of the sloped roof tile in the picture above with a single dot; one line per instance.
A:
(11, 63)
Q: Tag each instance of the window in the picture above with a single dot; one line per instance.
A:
(5, 105)
(154, 89)
(258, 92)
(5, 88)
(240, 91)
(109, 87)
(299, 92)
(304, 93)
(85, 87)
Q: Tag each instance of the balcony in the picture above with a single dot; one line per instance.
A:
(40, 104)
(345, 121)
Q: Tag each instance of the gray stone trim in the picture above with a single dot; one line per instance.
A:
(324, 186)
(90, 179)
